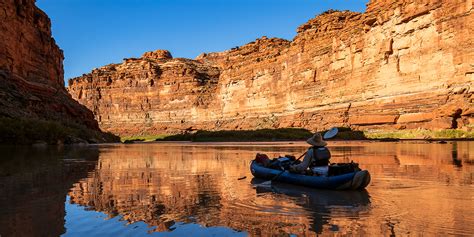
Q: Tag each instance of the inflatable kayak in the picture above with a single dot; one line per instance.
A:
(349, 181)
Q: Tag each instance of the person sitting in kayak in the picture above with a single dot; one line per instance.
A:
(317, 156)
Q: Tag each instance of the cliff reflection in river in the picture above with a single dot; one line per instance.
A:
(34, 183)
(162, 184)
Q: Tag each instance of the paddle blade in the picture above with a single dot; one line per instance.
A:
(266, 184)
(331, 133)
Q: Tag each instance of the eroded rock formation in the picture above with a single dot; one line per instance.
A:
(31, 69)
(401, 64)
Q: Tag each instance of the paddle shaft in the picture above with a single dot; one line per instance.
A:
(283, 171)
(300, 157)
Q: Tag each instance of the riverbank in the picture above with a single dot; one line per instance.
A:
(298, 134)
(37, 131)
(422, 134)
(281, 134)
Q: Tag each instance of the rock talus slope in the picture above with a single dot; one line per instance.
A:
(31, 69)
(401, 64)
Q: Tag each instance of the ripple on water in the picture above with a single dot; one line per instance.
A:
(423, 206)
(289, 200)
(416, 190)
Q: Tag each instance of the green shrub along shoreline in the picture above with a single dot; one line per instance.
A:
(38, 131)
(280, 134)
(422, 134)
(299, 134)
(144, 138)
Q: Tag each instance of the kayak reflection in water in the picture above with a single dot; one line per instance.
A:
(321, 203)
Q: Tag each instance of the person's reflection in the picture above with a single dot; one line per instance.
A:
(320, 203)
(33, 186)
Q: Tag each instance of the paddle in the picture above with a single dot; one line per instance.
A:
(328, 135)
(269, 182)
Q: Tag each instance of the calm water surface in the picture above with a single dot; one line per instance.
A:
(176, 189)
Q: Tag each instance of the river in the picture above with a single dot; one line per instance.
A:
(196, 189)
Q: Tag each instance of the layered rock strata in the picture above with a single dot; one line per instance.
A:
(31, 69)
(401, 64)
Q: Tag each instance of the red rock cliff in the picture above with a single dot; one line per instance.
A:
(403, 64)
(31, 69)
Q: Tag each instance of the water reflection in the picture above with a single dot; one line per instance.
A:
(321, 205)
(33, 186)
(165, 184)
(162, 185)
(417, 188)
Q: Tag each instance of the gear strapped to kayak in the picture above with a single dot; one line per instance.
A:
(340, 176)
(283, 163)
(314, 171)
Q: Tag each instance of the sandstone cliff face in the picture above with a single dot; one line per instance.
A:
(403, 64)
(155, 92)
(31, 69)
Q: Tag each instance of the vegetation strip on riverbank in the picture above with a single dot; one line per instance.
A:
(300, 134)
(281, 134)
(421, 134)
(144, 138)
(37, 131)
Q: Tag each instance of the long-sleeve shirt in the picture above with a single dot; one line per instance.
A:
(308, 158)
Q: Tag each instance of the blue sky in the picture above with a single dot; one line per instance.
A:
(94, 33)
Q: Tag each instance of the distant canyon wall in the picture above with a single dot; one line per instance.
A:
(31, 69)
(401, 64)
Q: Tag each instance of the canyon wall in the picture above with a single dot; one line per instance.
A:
(31, 69)
(400, 65)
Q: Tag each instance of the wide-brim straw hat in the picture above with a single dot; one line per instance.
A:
(316, 140)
